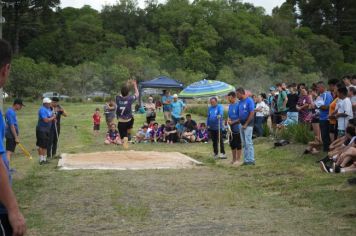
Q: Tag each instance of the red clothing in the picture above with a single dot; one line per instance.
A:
(96, 119)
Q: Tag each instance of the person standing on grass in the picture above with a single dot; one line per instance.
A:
(55, 128)
(246, 118)
(12, 221)
(178, 107)
(214, 122)
(261, 108)
(109, 112)
(124, 110)
(12, 129)
(167, 105)
(325, 101)
(150, 110)
(45, 119)
(233, 121)
(96, 121)
(282, 100)
(292, 103)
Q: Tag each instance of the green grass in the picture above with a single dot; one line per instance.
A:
(284, 194)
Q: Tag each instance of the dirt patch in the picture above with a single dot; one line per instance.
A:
(126, 160)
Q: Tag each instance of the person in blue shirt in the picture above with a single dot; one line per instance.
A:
(214, 122)
(233, 122)
(180, 127)
(12, 221)
(45, 119)
(178, 107)
(246, 117)
(324, 114)
(167, 100)
(12, 128)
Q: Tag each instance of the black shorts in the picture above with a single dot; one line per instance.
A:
(332, 129)
(10, 144)
(42, 136)
(5, 227)
(235, 141)
(123, 127)
(96, 127)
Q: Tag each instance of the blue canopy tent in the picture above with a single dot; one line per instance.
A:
(162, 82)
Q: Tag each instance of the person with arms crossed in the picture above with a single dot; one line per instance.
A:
(12, 221)
(12, 128)
(178, 107)
(246, 118)
(167, 107)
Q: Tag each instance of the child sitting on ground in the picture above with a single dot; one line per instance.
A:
(143, 134)
(154, 133)
(170, 132)
(202, 134)
(189, 135)
(180, 127)
(113, 136)
(285, 121)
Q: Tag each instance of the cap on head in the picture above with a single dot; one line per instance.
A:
(18, 101)
(272, 88)
(46, 100)
(55, 99)
(175, 95)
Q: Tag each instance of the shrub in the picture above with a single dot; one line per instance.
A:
(98, 99)
(299, 133)
(266, 130)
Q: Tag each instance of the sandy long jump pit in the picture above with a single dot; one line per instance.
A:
(126, 160)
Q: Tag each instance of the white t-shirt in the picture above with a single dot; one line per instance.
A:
(263, 107)
(344, 106)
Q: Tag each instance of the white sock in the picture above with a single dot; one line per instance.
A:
(41, 158)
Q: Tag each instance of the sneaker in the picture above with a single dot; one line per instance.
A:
(216, 156)
(223, 156)
(337, 169)
(323, 167)
(237, 163)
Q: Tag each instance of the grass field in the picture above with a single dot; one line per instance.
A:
(284, 194)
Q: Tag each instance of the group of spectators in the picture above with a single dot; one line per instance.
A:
(328, 109)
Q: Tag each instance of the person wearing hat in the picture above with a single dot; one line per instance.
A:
(12, 128)
(12, 221)
(150, 110)
(45, 119)
(178, 107)
(55, 127)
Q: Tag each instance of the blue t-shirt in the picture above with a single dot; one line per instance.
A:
(180, 127)
(327, 98)
(3, 157)
(44, 113)
(212, 120)
(233, 114)
(10, 119)
(167, 107)
(246, 106)
(177, 108)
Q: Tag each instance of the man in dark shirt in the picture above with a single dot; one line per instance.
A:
(190, 124)
(55, 127)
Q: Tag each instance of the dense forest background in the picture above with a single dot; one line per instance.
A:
(77, 51)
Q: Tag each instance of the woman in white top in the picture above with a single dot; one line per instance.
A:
(260, 111)
(150, 110)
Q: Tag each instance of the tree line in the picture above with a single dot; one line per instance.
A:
(77, 51)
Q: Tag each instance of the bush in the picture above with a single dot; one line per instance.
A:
(98, 99)
(299, 133)
(201, 110)
(266, 130)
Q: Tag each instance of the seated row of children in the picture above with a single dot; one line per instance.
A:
(183, 131)
(342, 152)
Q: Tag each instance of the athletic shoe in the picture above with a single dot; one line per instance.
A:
(323, 167)
(237, 163)
(223, 156)
(337, 169)
(216, 156)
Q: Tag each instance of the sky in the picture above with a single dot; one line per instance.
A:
(97, 4)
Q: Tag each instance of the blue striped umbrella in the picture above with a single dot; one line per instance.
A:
(206, 88)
